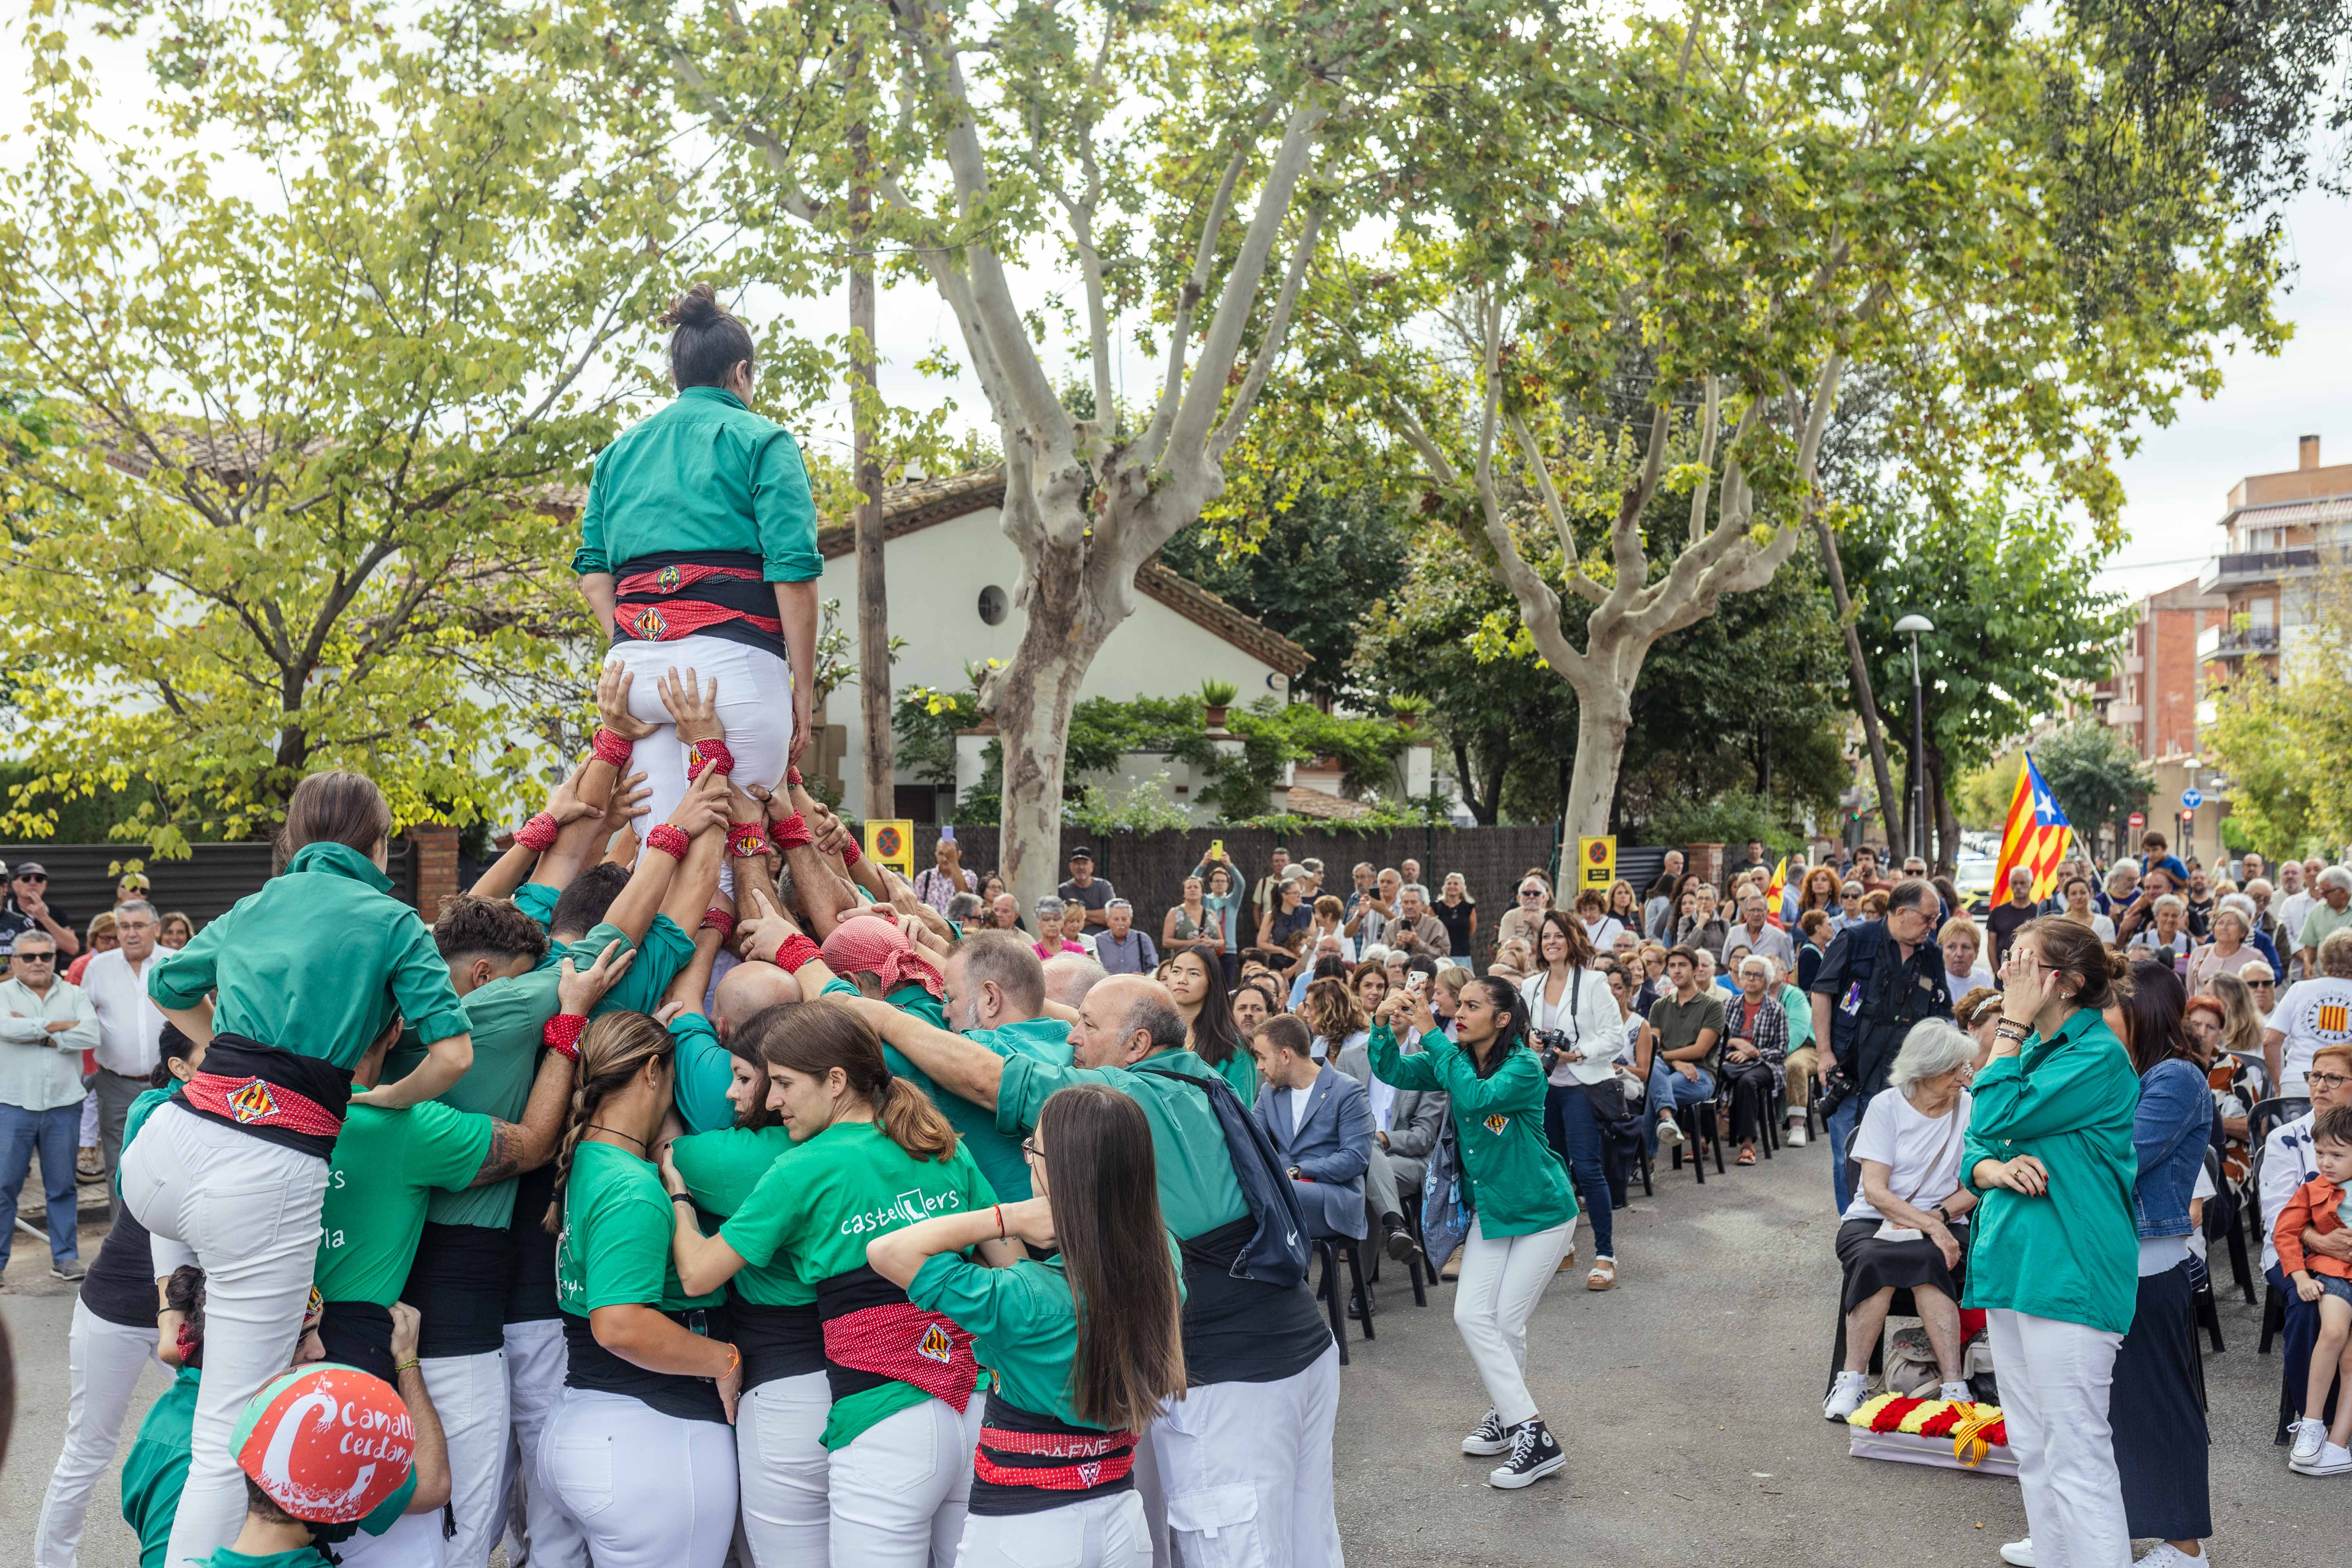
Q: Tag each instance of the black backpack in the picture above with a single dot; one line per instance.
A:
(1278, 1249)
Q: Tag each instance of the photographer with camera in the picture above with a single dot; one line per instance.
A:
(1579, 1032)
(1879, 978)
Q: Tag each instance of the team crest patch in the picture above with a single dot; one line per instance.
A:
(253, 1102)
(650, 625)
(666, 580)
(936, 1346)
(1090, 1472)
(1497, 1122)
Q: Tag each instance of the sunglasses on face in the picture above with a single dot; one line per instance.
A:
(33, 957)
(31, 877)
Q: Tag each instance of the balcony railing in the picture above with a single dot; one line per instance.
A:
(2234, 642)
(2257, 566)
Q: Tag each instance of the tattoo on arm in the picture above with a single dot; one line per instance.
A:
(504, 1157)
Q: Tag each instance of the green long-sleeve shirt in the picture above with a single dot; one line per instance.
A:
(1513, 1179)
(703, 474)
(2073, 1253)
(316, 963)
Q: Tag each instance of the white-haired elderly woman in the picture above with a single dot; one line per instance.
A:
(2168, 929)
(2234, 943)
(1052, 941)
(1907, 1228)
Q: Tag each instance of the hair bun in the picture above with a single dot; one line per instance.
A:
(698, 306)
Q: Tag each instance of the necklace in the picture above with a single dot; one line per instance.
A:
(599, 1127)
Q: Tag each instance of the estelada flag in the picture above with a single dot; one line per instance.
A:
(2035, 835)
(1775, 894)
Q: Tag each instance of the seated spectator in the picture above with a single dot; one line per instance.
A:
(2310, 1014)
(1817, 928)
(1513, 959)
(1600, 928)
(1804, 1058)
(2231, 949)
(1679, 1036)
(1006, 913)
(1961, 941)
(2288, 1162)
(1320, 1124)
(1649, 980)
(1252, 1005)
(1757, 934)
(1406, 1127)
(1053, 925)
(2167, 931)
(1076, 919)
(1873, 904)
(1755, 1048)
(1907, 1228)
(1721, 979)
(1698, 922)
(2324, 1283)
(1119, 947)
(1975, 1015)
(1519, 921)
(1333, 1019)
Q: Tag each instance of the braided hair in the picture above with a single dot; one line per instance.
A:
(614, 1050)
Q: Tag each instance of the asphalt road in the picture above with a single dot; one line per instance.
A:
(1688, 1399)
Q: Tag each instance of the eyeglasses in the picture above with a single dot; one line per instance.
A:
(33, 957)
(1531, 892)
(1029, 1150)
(2262, 984)
(2325, 1080)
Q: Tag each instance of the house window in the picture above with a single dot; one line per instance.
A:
(993, 605)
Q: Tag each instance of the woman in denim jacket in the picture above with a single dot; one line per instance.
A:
(2155, 1409)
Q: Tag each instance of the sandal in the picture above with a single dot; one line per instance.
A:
(1603, 1276)
(1747, 1154)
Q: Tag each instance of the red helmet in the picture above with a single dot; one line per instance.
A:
(328, 1442)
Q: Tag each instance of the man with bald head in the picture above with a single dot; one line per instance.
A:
(1263, 1375)
(1069, 977)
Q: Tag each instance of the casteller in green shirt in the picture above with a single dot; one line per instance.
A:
(838, 1191)
(1508, 1169)
(316, 963)
(508, 1018)
(386, 1165)
(721, 1169)
(2072, 1254)
(614, 1250)
(703, 474)
(155, 1471)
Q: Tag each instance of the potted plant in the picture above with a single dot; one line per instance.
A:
(1216, 696)
(1407, 709)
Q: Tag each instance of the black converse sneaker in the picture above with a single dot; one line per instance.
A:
(1491, 1438)
(1535, 1454)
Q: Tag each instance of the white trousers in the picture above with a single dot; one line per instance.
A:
(651, 1490)
(898, 1492)
(469, 1395)
(103, 1362)
(1501, 1282)
(786, 1473)
(536, 1365)
(248, 1212)
(2054, 1378)
(414, 1541)
(1093, 1532)
(755, 705)
(1246, 1467)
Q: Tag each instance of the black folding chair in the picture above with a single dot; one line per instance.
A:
(1331, 1249)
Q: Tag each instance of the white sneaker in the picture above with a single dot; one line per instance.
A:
(2335, 1459)
(1796, 1138)
(1846, 1396)
(2168, 1555)
(2020, 1553)
(1670, 1132)
(2310, 1437)
(1959, 1391)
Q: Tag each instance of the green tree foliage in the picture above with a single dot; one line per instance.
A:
(1308, 573)
(2097, 777)
(294, 505)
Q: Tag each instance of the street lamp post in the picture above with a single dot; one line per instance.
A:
(1913, 626)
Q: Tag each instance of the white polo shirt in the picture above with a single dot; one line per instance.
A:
(129, 1024)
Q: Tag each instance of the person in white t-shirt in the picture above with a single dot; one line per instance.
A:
(1906, 1227)
(2313, 1013)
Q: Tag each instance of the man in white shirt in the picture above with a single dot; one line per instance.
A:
(128, 1027)
(2314, 1012)
(2297, 892)
(45, 1025)
(1756, 932)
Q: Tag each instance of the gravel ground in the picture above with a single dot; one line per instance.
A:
(1688, 1400)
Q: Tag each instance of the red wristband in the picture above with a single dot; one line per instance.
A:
(719, 920)
(670, 838)
(708, 754)
(746, 839)
(539, 834)
(792, 775)
(561, 1033)
(795, 950)
(613, 747)
(852, 855)
(792, 831)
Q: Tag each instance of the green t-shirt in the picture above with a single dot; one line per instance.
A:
(2320, 922)
(155, 1471)
(703, 473)
(720, 1168)
(615, 1249)
(537, 900)
(665, 951)
(706, 1070)
(509, 1017)
(316, 963)
(1023, 1323)
(1241, 1071)
(1508, 1169)
(1198, 1191)
(839, 1191)
(386, 1164)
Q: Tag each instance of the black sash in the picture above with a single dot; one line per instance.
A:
(777, 1342)
(594, 1367)
(307, 1120)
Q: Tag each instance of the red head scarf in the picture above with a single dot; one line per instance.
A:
(878, 945)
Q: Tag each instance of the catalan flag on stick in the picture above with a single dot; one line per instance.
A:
(1774, 894)
(2035, 835)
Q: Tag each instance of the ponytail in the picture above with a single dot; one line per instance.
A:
(1510, 1031)
(615, 1048)
(822, 1034)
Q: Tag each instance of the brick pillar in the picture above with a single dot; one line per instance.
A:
(435, 848)
(1707, 860)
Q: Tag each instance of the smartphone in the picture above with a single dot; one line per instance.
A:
(947, 835)
(1216, 849)
(1416, 982)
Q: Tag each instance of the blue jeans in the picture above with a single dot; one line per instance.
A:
(1838, 1128)
(1669, 1090)
(56, 1133)
(1581, 1143)
(2297, 1335)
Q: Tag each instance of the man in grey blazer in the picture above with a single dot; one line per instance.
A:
(1321, 1125)
(1405, 1126)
